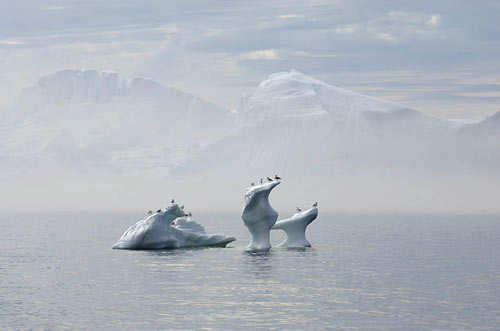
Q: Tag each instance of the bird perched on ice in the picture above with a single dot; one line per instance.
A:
(189, 214)
(261, 180)
(298, 209)
(150, 212)
(253, 184)
(173, 201)
(269, 179)
(159, 210)
(182, 207)
(315, 204)
(277, 177)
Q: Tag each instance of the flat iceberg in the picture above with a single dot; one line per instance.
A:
(295, 228)
(258, 215)
(169, 229)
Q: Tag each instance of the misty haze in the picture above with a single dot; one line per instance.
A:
(173, 122)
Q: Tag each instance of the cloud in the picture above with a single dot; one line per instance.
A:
(263, 54)
(220, 52)
(346, 28)
(288, 16)
(434, 21)
(54, 7)
(11, 42)
(394, 26)
(487, 94)
(387, 36)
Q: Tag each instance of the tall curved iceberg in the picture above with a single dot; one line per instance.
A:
(258, 215)
(168, 229)
(295, 228)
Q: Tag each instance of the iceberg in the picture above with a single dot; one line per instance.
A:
(258, 215)
(169, 229)
(295, 228)
(194, 234)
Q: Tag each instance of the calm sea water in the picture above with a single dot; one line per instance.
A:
(370, 272)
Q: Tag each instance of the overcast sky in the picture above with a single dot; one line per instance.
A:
(441, 57)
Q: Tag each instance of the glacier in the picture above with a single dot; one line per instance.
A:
(295, 228)
(168, 229)
(258, 215)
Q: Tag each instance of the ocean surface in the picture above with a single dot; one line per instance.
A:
(366, 272)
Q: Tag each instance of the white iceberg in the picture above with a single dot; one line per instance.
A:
(194, 234)
(295, 228)
(169, 229)
(258, 215)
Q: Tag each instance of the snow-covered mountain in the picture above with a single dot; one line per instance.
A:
(296, 124)
(111, 133)
(89, 118)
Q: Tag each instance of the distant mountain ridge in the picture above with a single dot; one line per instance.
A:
(83, 140)
(80, 86)
(115, 123)
(298, 124)
(292, 122)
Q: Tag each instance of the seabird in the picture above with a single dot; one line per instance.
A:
(190, 214)
(182, 207)
(261, 180)
(159, 210)
(150, 212)
(298, 209)
(315, 204)
(173, 201)
(277, 177)
(269, 179)
(253, 184)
